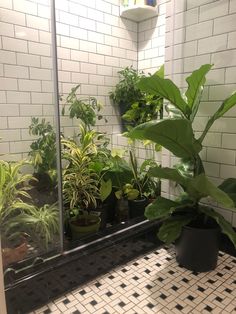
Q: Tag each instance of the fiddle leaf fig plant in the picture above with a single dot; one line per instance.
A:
(177, 135)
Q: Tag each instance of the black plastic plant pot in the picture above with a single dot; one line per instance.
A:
(137, 207)
(197, 248)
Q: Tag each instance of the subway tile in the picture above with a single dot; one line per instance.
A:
(25, 6)
(9, 110)
(232, 40)
(37, 22)
(225, 58)
(45, 11)
(11, 15)
(225, 24)
(28, 60)
(40, 74)
(81, 10)
(30, 110)
(39, 49)
(70, 66)
(229, 141)
(8, 83)
(79, 33)
(80, 78)
(68, 42)
(19, 122)
(213, 10)
(200, 30)
(29, 85)
(42, 98)
(212, 44)
(26, 33)
(6, 29)
(7, 4)
(13, 44)
(7, 57)
(232, 6)
(18, 97)
(222, 156)
(68, 18)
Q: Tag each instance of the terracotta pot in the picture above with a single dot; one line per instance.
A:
(14, 255)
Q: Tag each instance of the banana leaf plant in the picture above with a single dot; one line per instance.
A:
(177, 135)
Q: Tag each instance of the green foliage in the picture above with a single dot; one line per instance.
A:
(126, 91)
(42, 223)
(136, 106)
(43, 149)
(80, 181)
(229, 187)
(86, 109)
(13, 188)
(17, 216)
(175, 135)
(140, 185)
(178, 137)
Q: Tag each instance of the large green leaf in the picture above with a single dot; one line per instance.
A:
(160, 72)
(196, 83)
(200, 187)
(156, 85)
(224, 224)
(176, 135)
(105, 189)
(172, 227)
(168, 174)
(229, 187)
(160, 208)
(227, 104)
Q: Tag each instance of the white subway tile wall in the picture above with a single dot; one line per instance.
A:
(207, 35)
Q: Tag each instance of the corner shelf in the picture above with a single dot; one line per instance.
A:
(138, 13)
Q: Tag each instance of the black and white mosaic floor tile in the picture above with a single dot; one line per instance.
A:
(154, 283)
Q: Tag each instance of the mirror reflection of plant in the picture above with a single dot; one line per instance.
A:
(43, 149)
(177, 136)
(86, 109)
(18, 215)
(42, 223)
(13, 189)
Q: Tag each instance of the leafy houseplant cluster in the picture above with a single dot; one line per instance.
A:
(177, 135)
(135, 106)
(19, 217)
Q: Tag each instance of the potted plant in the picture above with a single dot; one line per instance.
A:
(43, 158)
(13, 187)
(135, 106)
(86, 109)
(194, 226)
(20, 219)
(141, 187)
(80, 184)
(146, 186)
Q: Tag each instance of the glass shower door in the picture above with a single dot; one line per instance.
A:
(30, 219)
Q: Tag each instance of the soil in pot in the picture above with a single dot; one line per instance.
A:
(137, 207)
(83, 226)
(198, 246)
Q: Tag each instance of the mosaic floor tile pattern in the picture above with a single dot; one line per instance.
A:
(154, 283)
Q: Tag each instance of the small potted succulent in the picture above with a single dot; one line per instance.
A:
(193, 226)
